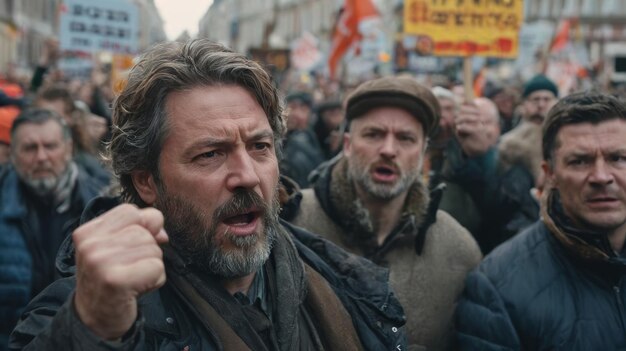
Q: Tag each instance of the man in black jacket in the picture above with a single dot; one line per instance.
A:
(302, 151)
(560, 284)
(195, 147)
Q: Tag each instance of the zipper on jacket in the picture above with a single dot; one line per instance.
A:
(620, 303)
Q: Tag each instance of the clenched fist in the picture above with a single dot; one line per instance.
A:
(118, 258)
(477, 127)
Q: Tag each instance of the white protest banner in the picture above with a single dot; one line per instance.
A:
(94, 26)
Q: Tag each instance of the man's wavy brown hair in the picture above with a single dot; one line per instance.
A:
(140, 121)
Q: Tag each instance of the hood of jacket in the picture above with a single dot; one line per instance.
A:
(335, 190)
(522, 146)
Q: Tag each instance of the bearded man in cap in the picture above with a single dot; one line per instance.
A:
(372, 201)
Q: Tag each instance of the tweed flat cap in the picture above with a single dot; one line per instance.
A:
(401, 92)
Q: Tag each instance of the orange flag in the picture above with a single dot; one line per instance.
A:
(479, 83)
(346, 31)
(561, 37)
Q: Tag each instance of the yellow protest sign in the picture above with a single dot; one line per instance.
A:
(465, 27)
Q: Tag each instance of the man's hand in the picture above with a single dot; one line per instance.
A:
(471, 131)
(50, 52)
(118, 258)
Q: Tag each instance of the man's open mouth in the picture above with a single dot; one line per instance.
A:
(384, 173)
(242, 219)
(602, 199)
(384, 170)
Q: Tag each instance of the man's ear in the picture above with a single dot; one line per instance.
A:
(549, 172)
(145, 186)
(346, 144)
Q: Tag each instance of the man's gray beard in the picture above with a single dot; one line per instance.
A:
(41, 187)
(193, 239)
(44, 186)
(360, 174)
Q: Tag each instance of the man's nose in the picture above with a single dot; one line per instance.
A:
(242, 171)
(600, 173)
(389, 147)
(41, 154)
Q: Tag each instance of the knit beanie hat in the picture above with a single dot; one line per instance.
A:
(401, 92)
(301, 97)
(540, 82)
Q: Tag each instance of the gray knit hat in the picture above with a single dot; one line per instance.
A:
(401, 92)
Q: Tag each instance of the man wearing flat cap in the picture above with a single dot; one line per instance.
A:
(372, 201)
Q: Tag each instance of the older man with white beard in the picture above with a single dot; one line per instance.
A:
(192, 256)
(42, 194)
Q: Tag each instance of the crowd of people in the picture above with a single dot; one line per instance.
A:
(205, 208)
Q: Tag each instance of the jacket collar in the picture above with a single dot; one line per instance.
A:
(585, 245)
(65, 259)
(338, 198)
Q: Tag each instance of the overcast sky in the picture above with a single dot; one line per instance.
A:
(180, 15)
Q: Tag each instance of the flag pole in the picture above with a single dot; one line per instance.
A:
(468, 79)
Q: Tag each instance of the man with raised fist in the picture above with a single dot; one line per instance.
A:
(192, 255)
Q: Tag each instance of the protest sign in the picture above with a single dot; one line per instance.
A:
(465, 27)
(94, 26)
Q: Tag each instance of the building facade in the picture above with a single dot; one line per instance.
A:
(26, 24)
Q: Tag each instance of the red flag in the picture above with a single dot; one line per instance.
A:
(561, 37)
(346, 31)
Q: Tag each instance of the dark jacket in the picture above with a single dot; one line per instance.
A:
(93, 168)
(168, 323)
(490, 199)
(552, 287)
(18, 244)
(301, 155)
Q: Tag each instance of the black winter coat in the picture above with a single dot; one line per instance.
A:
(533, 294)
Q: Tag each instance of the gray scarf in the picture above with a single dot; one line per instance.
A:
(62, 193)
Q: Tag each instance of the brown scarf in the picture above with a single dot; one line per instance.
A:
(300, 290)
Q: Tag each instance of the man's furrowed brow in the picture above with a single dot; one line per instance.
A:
(205, 143)
(262, 135)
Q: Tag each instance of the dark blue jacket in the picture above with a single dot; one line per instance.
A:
(534, 293)
(301, 155)
(491, 201)
(168, 323)
(16, 262)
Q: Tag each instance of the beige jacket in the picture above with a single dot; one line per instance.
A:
(428, 285)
